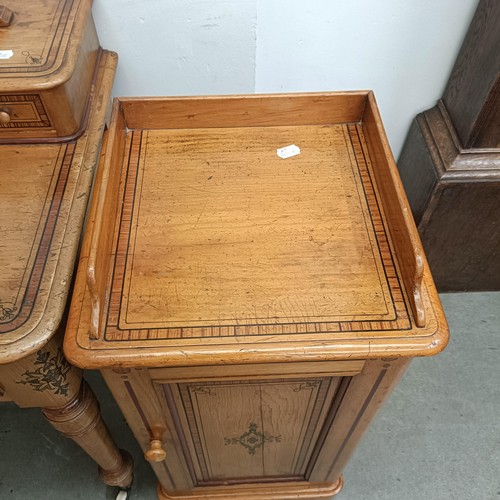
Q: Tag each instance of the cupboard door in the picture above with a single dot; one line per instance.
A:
(245, 431)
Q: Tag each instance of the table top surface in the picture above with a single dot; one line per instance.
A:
(43, 39)
(220, 234)
(220, 243)
(32, 209)
(44, 189)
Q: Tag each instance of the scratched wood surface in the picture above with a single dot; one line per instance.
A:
(28, 215)
(265, 429)
(46, 83)
(44, 190)
(224, 232)
(223, 250)
(38, 36)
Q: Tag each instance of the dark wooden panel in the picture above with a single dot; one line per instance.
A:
(417, 171)
(470, 94)
(462, 238)
(450, 164)
(489, 134)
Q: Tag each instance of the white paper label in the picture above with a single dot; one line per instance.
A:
(6, 54)
(288, 151)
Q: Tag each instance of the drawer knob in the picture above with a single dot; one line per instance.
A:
(4, 116)
(156, 453)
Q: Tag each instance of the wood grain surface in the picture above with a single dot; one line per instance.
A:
(450, 165)
(454, 198)
(205, 240)
(255, 434)
(46, 86)
(472, 94)
(245, 240)
(403, 231)
(39, 37)
(6, 16)
(57, 82)
(28, 218)
(280, 491)
(228, 423)
(243, 111)
(40, 222)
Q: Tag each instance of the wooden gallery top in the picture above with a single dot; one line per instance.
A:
(204, 247)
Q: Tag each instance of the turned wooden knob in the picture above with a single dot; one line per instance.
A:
(4, 116)
(6, 16)
(156, 453)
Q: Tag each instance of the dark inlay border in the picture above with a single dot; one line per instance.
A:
(400, 321)
(23, 312)
(32, 99)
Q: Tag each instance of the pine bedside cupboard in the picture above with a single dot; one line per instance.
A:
(55, 85)
(250, 313)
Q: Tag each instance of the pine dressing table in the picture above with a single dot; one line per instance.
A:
(55, 85)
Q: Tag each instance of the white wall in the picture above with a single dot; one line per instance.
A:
(180, 47)
(402, 49)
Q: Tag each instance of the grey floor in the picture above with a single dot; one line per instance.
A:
(438, 438)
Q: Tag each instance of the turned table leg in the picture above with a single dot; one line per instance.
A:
(80, 419)
(45, 379)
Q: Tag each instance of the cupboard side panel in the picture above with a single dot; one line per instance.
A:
(363, 397)
(135, 395)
